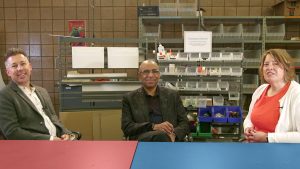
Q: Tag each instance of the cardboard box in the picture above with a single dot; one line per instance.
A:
(287, 8)
(104, 124)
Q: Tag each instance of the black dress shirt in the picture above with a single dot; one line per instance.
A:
(154, 107)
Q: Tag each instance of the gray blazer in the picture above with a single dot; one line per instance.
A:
(135, 113)
(19, 118)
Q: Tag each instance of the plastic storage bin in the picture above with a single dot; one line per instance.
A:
(183, 56)
(194, 101)
(224, 86)
(172, 56)
(233, 96)
(215, 56)
(234, 114)
(251, 79)
(188, 101)
(250, 54)
(237, 56)
(186, 9)
(215, 71)
(167, 9)
(236, 71)
(294, 53)
(181, 85)
(249, 88)
(184, 100)
(163, 69)
(180, 70)
(226, 56)
(213, 86)
(152, 31)
(232, 31)
(194, 56)
(225, 71)
(252, 58)
(201, 101)
(202, 86)
(217, 30)
(219, 114)
(205, 56)
(218, 100)
(234, 87)
(192, 70)
(192, 85)
(205, 114)
(275, 32)
(252, 32)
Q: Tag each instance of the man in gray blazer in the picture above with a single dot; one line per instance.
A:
(26, 111)
(153, 113)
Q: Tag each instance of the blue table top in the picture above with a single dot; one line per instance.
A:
(216, 156)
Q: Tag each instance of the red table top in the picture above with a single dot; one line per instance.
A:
(66, 154)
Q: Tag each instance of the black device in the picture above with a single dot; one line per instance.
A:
(148, 11)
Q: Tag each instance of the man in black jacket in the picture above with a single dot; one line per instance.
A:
(153, 113)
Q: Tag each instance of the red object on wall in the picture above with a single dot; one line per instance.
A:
(77, 28)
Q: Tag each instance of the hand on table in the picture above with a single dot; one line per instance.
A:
(248, 133)
(258, 136)
(165, 127)
(64, 137)
(172, 136)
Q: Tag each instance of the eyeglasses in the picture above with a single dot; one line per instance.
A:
(153, 71)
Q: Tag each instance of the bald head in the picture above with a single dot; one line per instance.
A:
(147, 63)
(149, 74)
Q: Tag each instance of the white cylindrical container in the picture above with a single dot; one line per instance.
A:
(171, 68)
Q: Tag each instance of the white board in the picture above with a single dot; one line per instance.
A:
(123, 57)
(87, 57)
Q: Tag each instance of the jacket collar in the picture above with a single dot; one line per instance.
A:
(156, 91)
(15, 87)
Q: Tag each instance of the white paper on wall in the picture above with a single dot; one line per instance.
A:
(197, 41)
(87, 57)
(123, 57)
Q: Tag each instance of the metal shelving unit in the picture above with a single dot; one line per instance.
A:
(253, 47)
(291, 24)
(231, 44)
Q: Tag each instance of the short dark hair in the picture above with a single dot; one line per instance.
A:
(13, 52)
(284, 59)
